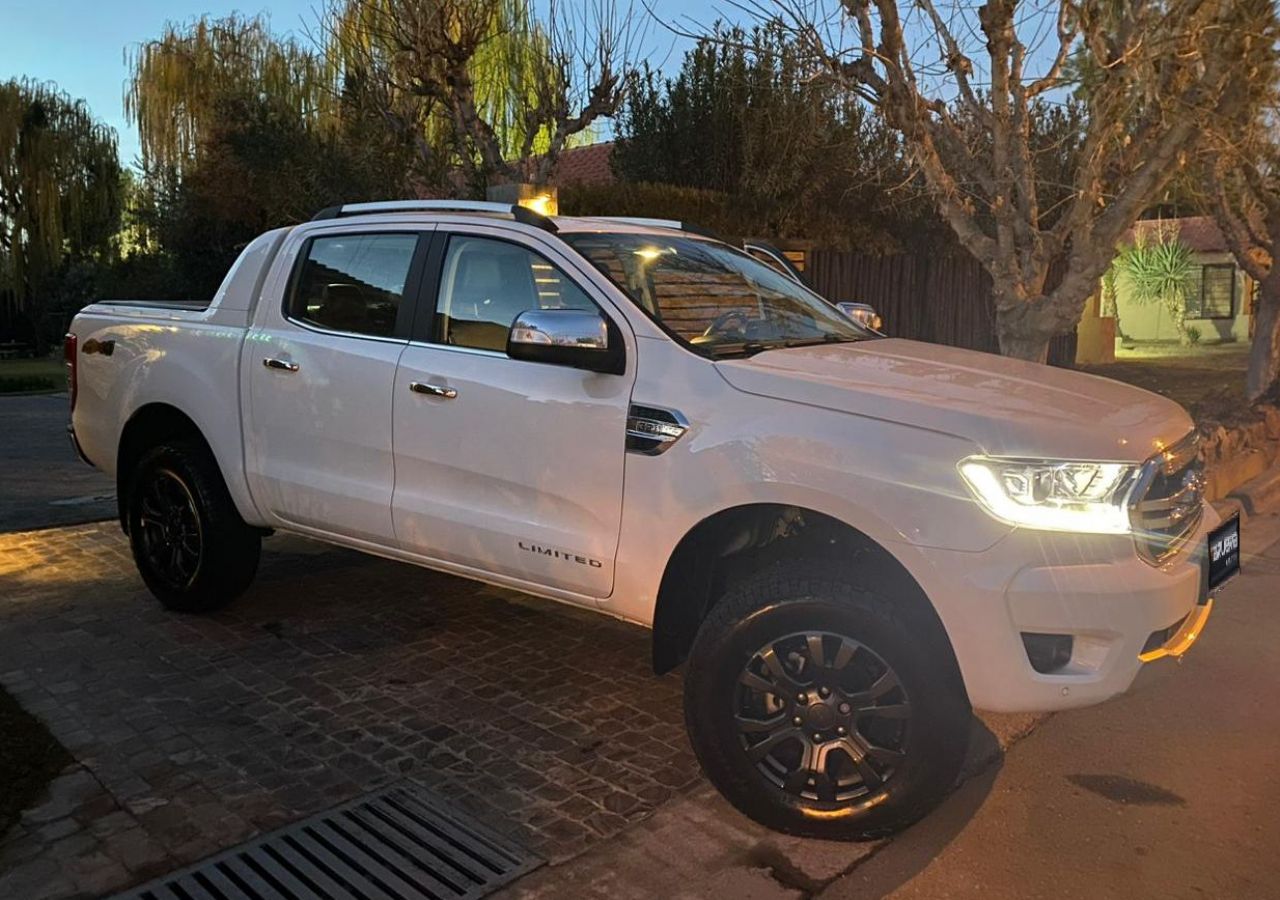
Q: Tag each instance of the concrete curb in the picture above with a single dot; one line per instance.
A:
(1259, 494)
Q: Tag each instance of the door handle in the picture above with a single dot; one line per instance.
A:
(434, 390)
(282, 365)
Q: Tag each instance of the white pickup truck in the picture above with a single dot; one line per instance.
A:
(851, 539)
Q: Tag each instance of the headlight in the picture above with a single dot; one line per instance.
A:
(1057, 495)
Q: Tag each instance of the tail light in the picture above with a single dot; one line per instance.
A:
(70, 345)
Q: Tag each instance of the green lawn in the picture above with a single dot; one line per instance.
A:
(22, 375)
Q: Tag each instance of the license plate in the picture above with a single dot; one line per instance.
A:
(1223, 553)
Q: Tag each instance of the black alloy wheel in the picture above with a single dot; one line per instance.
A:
(823, 717)
(190, 544)
(823, 704)
(171, 538)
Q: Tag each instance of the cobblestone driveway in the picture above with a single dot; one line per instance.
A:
(336, 674)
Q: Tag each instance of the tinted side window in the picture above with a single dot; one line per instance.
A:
(486, 284)
(353, 282)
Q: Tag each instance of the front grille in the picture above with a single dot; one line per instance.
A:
(1168, 500)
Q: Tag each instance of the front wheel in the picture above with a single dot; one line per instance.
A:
(821, 708)
(192, 549)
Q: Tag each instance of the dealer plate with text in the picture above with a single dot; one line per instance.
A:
(1223, 554)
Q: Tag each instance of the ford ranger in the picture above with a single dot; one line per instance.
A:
(849, 540)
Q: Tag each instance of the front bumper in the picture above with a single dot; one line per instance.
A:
(1092, 587)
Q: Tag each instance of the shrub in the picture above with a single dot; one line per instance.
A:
(21, 384)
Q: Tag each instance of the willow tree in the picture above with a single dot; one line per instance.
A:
(960, 81)
(503, 89)
(59, 189)
(181, 81)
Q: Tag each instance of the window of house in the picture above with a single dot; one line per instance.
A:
(1213, 294)
(353, 282)
(486, 283)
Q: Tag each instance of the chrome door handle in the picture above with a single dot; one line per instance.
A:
(434, 390)
(281, 364)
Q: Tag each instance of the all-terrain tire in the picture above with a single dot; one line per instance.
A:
(782, 608)
(193, 550)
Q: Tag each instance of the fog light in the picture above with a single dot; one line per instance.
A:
(1047, 653)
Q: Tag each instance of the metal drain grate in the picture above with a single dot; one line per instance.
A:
(402, 843)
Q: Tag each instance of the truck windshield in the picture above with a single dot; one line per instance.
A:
(716, 300)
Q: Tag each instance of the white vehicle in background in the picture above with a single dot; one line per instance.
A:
(850, 539)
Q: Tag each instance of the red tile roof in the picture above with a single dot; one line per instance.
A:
(1200, 233)
(584, 165)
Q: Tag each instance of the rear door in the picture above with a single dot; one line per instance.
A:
(504, 466)
(318, 367)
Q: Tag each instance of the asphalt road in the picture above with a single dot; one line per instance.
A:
(1170, 791)
(42, 481)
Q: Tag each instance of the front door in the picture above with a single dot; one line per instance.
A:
(319, 370)
(507, 467)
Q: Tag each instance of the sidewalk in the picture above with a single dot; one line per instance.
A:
(1167, 791)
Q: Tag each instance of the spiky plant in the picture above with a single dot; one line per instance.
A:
(1158, 268)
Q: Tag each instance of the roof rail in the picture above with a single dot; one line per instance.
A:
(652, 223)
(519, 213)
(675, 224)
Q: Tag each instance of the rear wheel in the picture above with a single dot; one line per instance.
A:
(822, 708)
(192, 549)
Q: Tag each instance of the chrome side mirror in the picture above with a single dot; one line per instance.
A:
(581, 338)
(862, 313)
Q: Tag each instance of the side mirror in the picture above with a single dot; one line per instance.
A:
(580, 338)
(862, 313)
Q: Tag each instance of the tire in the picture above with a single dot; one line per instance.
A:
(875, 653)
(192, 549)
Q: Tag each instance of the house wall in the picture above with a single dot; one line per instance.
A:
(1152, 322)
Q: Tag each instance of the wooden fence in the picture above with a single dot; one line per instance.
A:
(943, 299)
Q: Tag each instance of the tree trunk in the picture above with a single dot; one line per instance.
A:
(1264, 355)
(1031, 346)
(1177, 306)
(1025, 329)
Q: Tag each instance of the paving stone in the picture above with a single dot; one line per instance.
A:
(336, 673)
(57, 829)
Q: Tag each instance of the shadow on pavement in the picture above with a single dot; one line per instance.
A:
(910, 852)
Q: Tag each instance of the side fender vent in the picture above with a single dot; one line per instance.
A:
(652, 430)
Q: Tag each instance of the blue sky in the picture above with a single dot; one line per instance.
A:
(80, 44)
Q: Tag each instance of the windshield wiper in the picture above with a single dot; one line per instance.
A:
(742, 348)
(828, 338)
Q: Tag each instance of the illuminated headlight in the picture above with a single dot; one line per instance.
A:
(1085, 497)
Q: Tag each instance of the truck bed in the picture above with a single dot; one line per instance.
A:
(185, 305)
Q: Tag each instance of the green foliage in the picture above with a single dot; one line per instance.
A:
(1158, 268)
(59, 192)
(258, 167)
(1193, 335)
(490, 89)
(714, 210)
(181, 80)
(242, 131)
(748, 117)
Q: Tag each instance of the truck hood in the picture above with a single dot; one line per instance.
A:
(1007, 407)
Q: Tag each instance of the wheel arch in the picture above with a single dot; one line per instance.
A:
(150, 426)
(736, 542)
